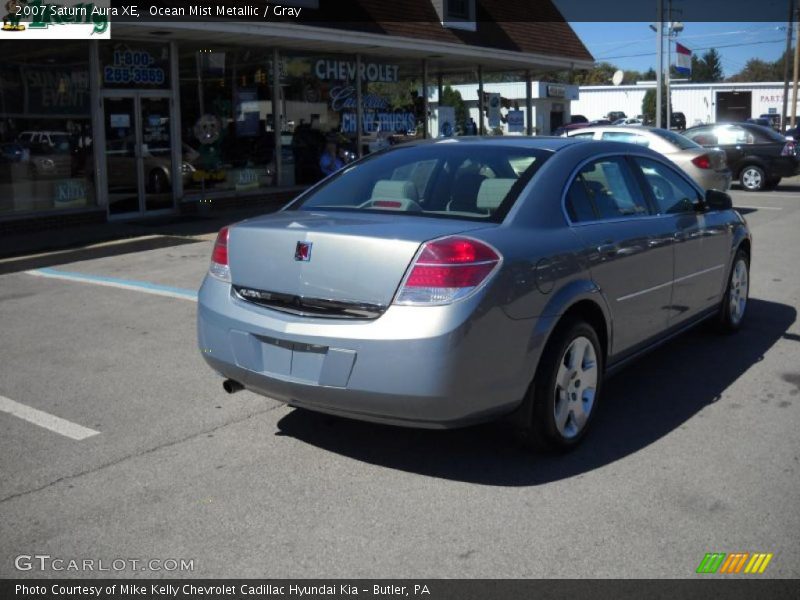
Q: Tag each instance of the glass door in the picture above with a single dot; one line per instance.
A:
(156, 153)
(138, 154)
(122, 166)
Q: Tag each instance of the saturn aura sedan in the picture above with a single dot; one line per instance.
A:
(439, 284)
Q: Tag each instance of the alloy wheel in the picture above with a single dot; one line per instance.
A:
(739, 291)
(752, 178)
(576, 387)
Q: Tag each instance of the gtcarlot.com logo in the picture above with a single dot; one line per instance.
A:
(45, 562)
(735, 562)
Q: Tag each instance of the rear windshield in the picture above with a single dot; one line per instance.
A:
(443, 180)
(676, 139)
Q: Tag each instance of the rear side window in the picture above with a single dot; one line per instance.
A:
(604, 189)
(672, 193)
(626, 136)
(443, 180)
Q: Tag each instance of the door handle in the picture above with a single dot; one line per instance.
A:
(608, 249)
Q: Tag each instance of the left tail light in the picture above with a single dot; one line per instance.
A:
(702, 162)
(789, 149)
(219, 267)
(447, 270)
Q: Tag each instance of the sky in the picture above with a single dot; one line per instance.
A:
(633, 45)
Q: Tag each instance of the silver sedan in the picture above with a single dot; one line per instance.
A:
(707, 166)
(443, 283)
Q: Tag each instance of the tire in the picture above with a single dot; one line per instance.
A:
(734, 303)
(557, 419)
(158, 182)
(752, 178)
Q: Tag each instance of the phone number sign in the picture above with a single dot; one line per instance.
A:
(133, 67)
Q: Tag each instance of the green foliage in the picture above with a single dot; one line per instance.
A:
(451, 97)
(707, 68)
(649, 105)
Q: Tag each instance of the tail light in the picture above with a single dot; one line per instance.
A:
(447, 270)
(702, 162)
(789, 149)
(219, 257)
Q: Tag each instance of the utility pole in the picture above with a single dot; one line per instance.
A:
(796, 66)
(786, 65)
(660, 61)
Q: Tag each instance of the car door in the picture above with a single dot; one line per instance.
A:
(702, 239)
(628, 252)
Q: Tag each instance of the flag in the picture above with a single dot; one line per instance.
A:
(683, 59)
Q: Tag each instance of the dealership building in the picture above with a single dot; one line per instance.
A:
(700, 102)
(167, 117)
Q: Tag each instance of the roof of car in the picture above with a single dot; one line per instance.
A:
(540, 142)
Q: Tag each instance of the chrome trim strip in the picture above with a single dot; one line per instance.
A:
(645, 291)
(685, 277)
(674, 281)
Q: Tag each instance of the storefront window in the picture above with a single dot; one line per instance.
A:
(227, 118)
(45, 127)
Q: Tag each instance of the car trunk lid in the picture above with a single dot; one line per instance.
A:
(329, 263)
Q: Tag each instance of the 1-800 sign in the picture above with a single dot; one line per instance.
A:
(134, 68)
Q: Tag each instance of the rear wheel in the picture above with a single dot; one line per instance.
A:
(753, 178)
(564, 394)
(734, 303)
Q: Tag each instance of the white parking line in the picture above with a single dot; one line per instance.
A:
(46, 420)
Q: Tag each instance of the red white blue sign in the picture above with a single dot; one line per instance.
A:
(683, 59)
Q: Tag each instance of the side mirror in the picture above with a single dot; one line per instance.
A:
(717, 200)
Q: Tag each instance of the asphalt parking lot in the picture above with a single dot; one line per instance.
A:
(695, 450)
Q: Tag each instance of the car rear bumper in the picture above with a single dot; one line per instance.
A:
(418, 366)
(714, 180)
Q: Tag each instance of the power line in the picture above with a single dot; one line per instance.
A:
(695, 49)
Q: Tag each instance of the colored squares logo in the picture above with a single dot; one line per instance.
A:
(736, 562)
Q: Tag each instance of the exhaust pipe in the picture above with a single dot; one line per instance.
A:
(231, 386)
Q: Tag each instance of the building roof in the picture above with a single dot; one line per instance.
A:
(527, 26)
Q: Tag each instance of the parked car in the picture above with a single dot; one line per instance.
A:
(757, 156)
(759, 121)
(616, 115)
(707, 167)
(628, 121)
(561, 131)
(121, 165)
(792, 134)
(437, 284)
(773, 120)
(578, 119)
(677, 120)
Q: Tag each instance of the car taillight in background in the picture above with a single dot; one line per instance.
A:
(447, 270)
(702, 162)
(219, 257)
(789, 149)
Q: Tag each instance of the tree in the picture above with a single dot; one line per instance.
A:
(713, 65)
(649, 105)
(650, 74)
(759, 70)
(451, 97)
(708, 68)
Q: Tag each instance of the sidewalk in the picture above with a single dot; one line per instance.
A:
(32, 250)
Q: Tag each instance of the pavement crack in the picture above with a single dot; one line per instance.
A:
(139, 454)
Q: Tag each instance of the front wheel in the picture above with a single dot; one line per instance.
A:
(753, 178)
(565, 392)
(734, 303)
